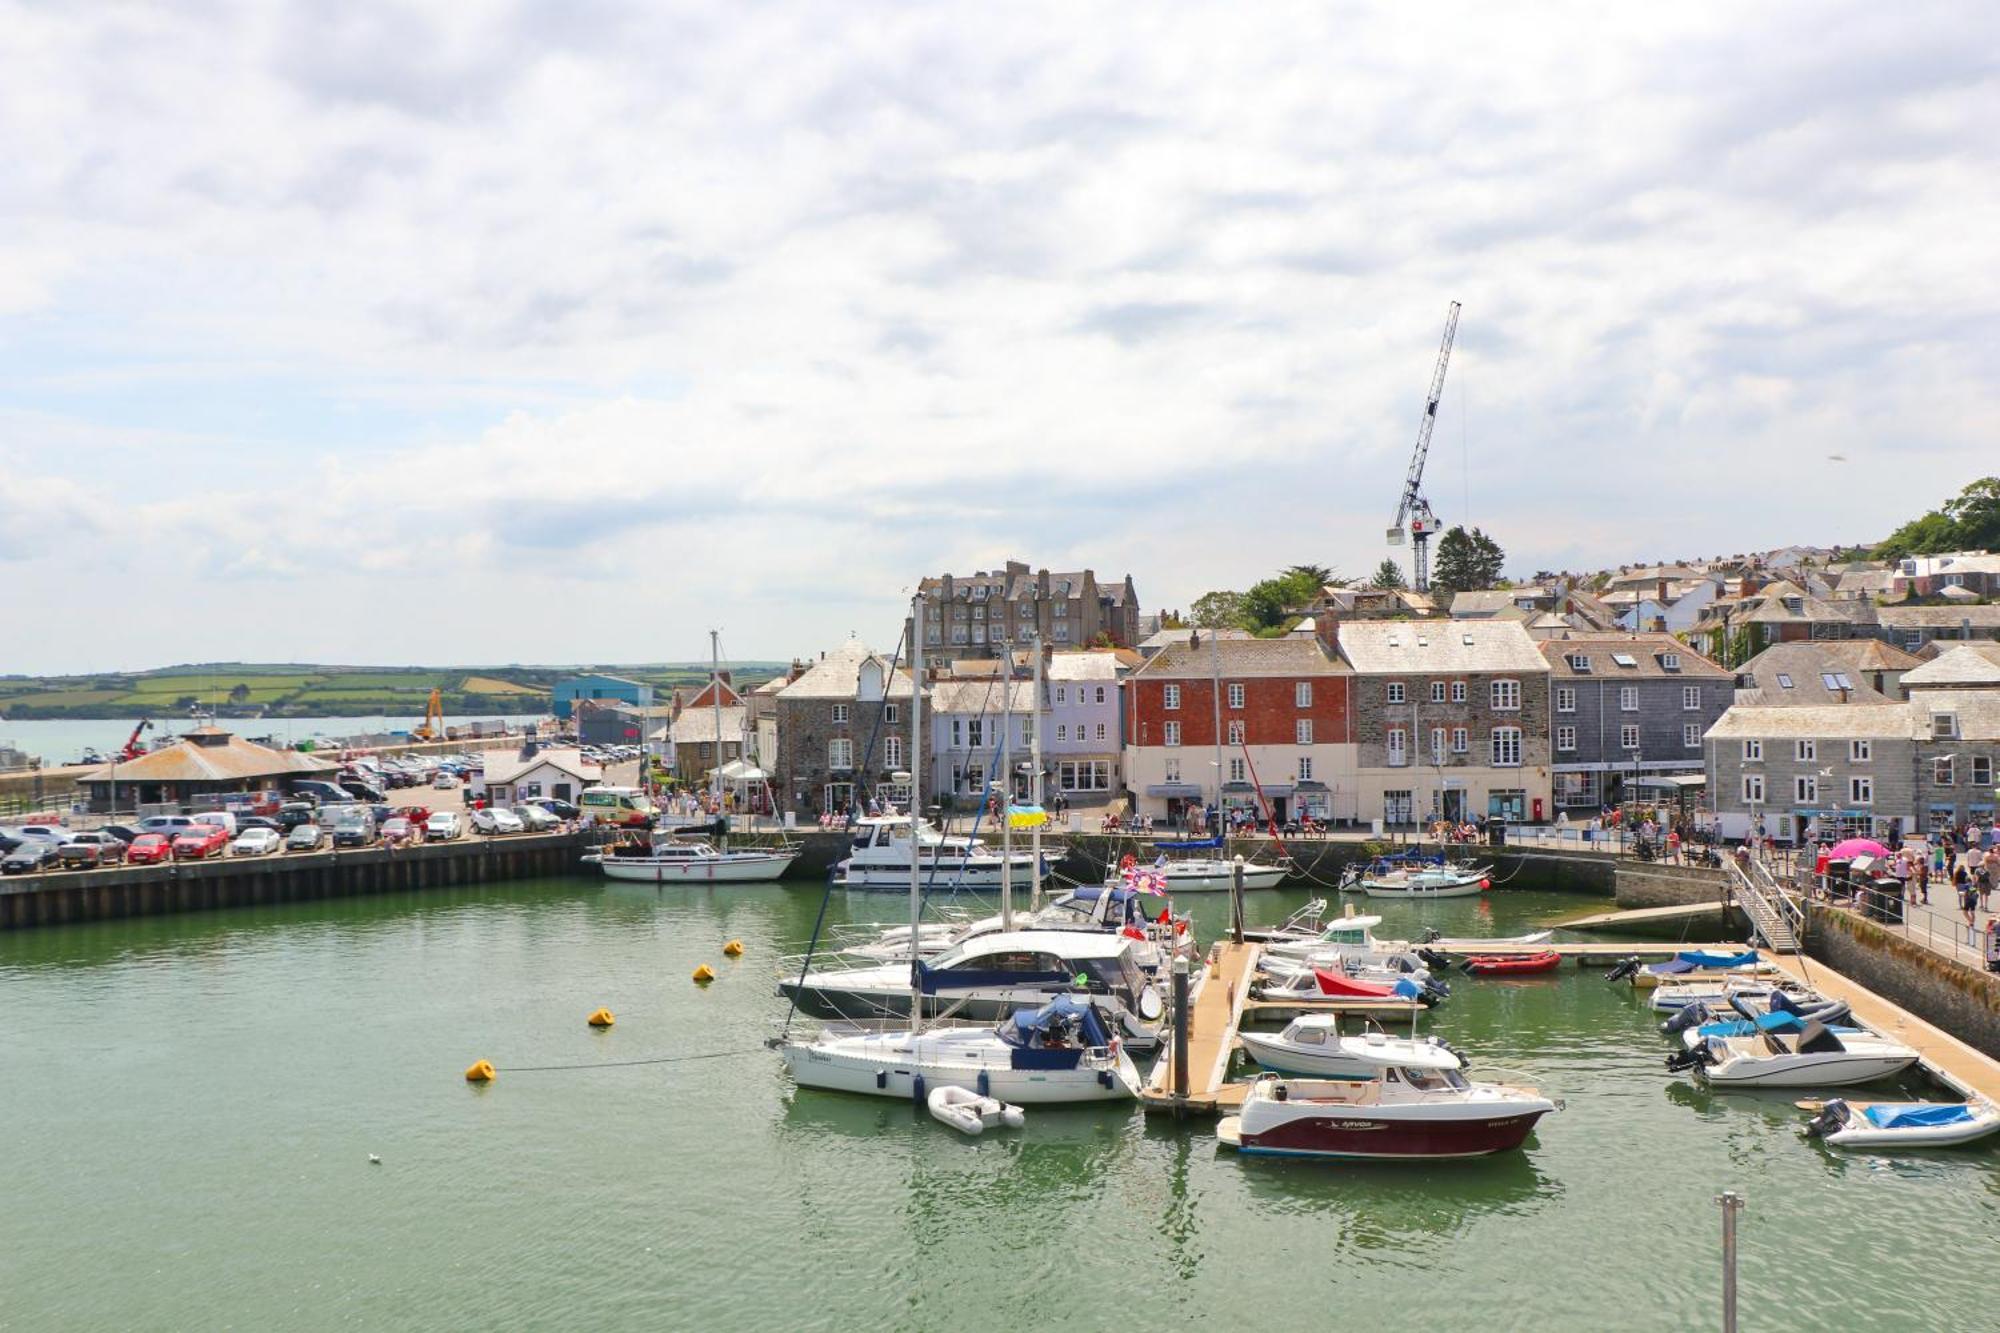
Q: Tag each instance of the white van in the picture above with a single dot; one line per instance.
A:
(169, 826)
(223, 817)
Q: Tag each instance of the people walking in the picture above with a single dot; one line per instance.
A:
(1968, 900)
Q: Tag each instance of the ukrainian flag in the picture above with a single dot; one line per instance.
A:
(1026, 816)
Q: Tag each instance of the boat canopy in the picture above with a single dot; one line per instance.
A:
(1062, 1020)
(1706, 958)
(1189, 845)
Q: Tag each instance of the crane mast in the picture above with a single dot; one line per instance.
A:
(1414, 513)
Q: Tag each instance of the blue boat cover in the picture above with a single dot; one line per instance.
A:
(1668, 969)
(1918, 1115)
(1703, 958)
(1408, 989)
(1750, 1027)
(1189, 845)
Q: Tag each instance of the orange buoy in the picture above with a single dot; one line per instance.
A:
(703, 975)
(601, 1019)
(733, 949)
(480, 1072)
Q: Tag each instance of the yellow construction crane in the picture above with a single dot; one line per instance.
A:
(433, 724)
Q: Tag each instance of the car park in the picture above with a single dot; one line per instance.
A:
(363, 790)
(33, 854)
(149, 849)
(95, 848)
(307, 837)
(535, 819)
(200, 842)
(445, 781)
(396, 831)
(444, 826)
(495, 821)
(294, 813)
(256, 842)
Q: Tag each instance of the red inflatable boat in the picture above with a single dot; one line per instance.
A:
(1333, 983)
(1520, 965)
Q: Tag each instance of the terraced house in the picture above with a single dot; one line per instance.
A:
(1451, 718)
(843, 733)
(1626, 707)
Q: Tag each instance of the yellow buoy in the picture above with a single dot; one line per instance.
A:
(733, 949)
(481, 1072)
(602, 1019)
(704, 974)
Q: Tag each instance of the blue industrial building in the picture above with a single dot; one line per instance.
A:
(612, 689)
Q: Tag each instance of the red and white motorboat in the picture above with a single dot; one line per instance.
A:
(1418, 1106)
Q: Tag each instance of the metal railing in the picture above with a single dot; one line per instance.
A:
(1938, 926)
(1774, 918)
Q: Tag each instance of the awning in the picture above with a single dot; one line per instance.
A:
(1310, 785)
(1183, 790)
(1670, 781)
(737, 770)
(1238, 787)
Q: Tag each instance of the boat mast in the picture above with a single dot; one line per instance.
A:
(1215, 698)
(1006, 788)
(715, 691)
(916, 801)
(1035, 789)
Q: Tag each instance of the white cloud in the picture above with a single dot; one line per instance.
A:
(752, 314)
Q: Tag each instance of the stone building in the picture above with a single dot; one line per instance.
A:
(1815, 769)
(967, 721)
(972, 615)
(1450, 718)
(842, 733)
(1625, 706)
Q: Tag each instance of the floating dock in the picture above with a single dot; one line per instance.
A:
(1639, 916)
(1215, 1013)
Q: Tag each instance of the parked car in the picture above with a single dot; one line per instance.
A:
(149, 849)
(534, 819)
(95, 848)
(305, 838)
(33, 854)
(222, 819)
(556, 806)
(201, 841)
(355, 831)
(294, 813)
(8, 842)
(319, 792)
(445, 780)
(444, 826)
(41, 832)
(397, 831)
(244, 823)
(123, 832)
(171, 826)
(363, 790)
(256, 842)
(495, 820)
(416, 814)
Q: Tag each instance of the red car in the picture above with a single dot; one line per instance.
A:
(416, 814)
(149, 849)
(200, 842)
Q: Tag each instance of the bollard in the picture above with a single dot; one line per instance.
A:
(1236, 901)
(1732, 1203)
(1181, 1019)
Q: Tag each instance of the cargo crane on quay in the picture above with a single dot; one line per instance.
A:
(1414, 513)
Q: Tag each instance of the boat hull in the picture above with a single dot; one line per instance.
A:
(1281, 1057)
(1223, 879)
(886, 1071)
(1453, 889)
(1817, 1071)
(1359, 1133)
(946, 877)
(729, 870)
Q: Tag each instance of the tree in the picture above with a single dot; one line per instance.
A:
(1388, 575)
(1218, 610)
(1968, 522)
(1467, 560)
(239, 693)
(1312, 576)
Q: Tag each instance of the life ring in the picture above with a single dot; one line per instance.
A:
(1150, 1006)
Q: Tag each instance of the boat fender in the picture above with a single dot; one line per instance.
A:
(480, 1072)
(600, 1019)
(703, 975)
(1104, 1079)
(1151, 1007)
(733, 949)
(1281, 1093)
(1485, 884)
(917, 1089)
(881, 1078)
(985, 1084)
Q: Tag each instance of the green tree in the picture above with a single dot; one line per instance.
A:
(1312, 576)
(1388, 575)
(1466, 560)
(1218, 610)
(239, 693)
(1970, 521)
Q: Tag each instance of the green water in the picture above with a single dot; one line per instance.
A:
(188, 1105)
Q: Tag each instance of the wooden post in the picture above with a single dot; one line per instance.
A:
(1181, 1021)
(1236, 900)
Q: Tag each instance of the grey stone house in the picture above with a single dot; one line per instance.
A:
(1625, 706)
(1827, 770)
(1955, 714)
(842, 733)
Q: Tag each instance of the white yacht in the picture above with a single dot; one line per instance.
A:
(1177, 871)
(1061, 1052)
(1818, 1057)
(880, 859)
(692, 861)
(1135, 915)
(1313, 1047)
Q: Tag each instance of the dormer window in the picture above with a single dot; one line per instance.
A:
(1670, 661)
(1796, 605)
(1579, 664)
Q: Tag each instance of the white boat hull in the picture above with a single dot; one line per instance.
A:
(1983, 1119)
(1454, 887)
(730, 868)
(1220, 877)
(948, 875)
(1807, 1071)
(889, 1065)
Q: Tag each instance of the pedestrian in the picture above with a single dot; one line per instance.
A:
(1674, 846)
(1968, 899)
(1923, 879)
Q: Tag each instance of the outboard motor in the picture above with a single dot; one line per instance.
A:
(1690, 1016)
(1436, 989)
(1431, 935)
(1620, 971)
(1432, 958)
(1681, 1060)
(1831, 1120)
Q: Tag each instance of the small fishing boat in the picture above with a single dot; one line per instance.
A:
(1816, 1057)
(1312, 1047)
(1846, 1124)
(1514, 965)
(1181, 869)
(1716, 993)
(1691, 966)
(1780, 1011)
(1471, 944)
(1417, 1105)
(1415, 876)
(969, 1113)
(1394, 989)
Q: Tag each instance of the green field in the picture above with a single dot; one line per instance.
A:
(302, 690)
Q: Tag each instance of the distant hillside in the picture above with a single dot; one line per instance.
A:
(239, 689)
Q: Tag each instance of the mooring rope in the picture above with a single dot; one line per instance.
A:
(623, 1064)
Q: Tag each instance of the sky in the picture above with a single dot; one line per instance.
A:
(565, 330)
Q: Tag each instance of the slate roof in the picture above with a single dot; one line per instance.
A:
(1870, 721)
(981, 696)
(1806, 665)
(1646, 652)
(697, 725)
(1960, 664)
(838, 675)
(1388, 647)
(1081, 666)
(506, 765)
(1236, 659)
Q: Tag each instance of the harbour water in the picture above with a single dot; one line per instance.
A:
(190, 1104)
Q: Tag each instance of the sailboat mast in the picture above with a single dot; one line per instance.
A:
(916, 799)
(715, 693)
(1035, 763)
(1215, 698)
(1006, 788)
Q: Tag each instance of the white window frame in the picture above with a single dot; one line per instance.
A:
(1628, 736)
(840, 715)
(840, 755)
(1861, 789)
(1235, 731)
(1505, 747)
(1691, 735)
(1753, 788)
(1691, 698)
(1062, 732)
(1805, 752)
(1437, 691)
(1565, 698)
(1100, 731)
(1235, 694)
(892, 752)
(1302, 731)
(1173, 734)
(1392, 692)
(1753, 752)
(1628, 698)
(1395, 745)
(1505, 696)
(1944, 771)
(1302, 694)
(1305, 768)
(1566, 739)
(1458, 691)
(1170, 698)
(1860, 752)
(1805, 788)
(1461, 740)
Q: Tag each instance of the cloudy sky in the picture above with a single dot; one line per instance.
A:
(562, 330)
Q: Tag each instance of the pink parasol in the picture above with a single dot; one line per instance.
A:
(1853, 847)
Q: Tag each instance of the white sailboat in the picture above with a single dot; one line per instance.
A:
(1060, 1051)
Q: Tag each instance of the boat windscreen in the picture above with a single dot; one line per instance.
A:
(1818, 1039)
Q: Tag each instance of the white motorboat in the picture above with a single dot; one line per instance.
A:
(1416, 1105)
(1060, 1052)
(969, 1113)
(880, 859)
(1846, 1124)
(988, 977)
(1472, 944)
(1718, 993)
(1445, 881)
(1818, 1057)
(1312, 1047)
(1178, 872)
(693, 861)
(1348, 940)
(1091, 907)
